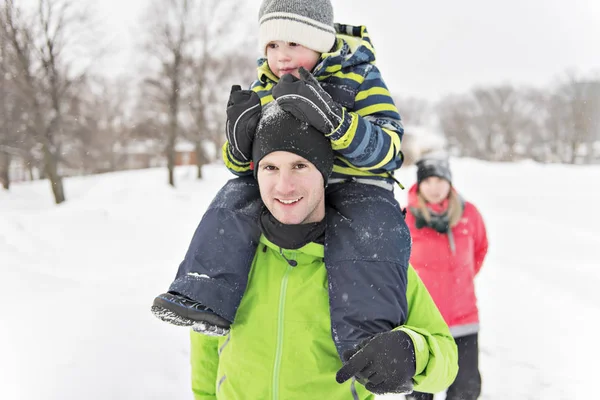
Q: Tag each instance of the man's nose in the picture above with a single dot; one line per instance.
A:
(285, 182)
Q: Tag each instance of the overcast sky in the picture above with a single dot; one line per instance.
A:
(429, 48)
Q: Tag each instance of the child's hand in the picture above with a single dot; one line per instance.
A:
(308, 102)
(243, 114)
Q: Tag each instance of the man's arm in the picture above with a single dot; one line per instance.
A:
(423, 353)
(435, 350)
(205, 363)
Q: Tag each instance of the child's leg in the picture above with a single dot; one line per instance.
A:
(215, 269)
(367, 250)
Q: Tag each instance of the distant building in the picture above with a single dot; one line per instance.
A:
(140, 154)
(185, 153)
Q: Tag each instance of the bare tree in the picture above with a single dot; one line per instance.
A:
(493, 123)
(593, 113)
(576, 103)
(44, 46)
(170, 36)
(503, 113)
(456, 116)
(198, 54)
(566, 120)
(212, 77)
(7, 107)
(14, 144)
(102, 124)
(534, 141)
(414, 111)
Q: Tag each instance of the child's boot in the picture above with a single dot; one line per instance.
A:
(180, 310)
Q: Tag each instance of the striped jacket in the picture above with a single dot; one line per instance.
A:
(368, 145)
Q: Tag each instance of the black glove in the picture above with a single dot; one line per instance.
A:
(384, 364)
(243, 114)
(308, 101)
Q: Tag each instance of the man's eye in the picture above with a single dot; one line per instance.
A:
(269, 168)
(301, 166)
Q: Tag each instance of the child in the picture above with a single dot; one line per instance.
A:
(449, 246)
(345, 98)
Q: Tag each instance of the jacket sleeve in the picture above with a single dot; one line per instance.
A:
(480, 240)
(239, 167)
(435, 350)
(370, 134)
(205, 363)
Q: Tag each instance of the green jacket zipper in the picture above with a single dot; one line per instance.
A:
(282, 294)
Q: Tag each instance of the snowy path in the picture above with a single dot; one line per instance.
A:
(78, 280)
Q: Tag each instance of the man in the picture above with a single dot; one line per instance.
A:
(282, 342)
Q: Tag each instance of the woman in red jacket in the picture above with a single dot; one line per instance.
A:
(449, 246)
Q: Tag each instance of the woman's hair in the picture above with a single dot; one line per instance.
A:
(454, 208)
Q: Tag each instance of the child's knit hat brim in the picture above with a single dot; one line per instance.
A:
(306, 22)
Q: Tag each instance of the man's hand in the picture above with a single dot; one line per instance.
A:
(243, 114)
(308, 102)
(384, 364)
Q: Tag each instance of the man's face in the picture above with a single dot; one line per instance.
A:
(292, 188)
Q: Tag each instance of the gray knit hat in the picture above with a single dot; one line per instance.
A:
(306, 22)
(434, 164)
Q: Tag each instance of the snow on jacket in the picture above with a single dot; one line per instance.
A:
(449, 276)
(280, 346)
(368, 144)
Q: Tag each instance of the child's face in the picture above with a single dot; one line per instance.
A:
(287, 57)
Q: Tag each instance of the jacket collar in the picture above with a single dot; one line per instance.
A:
(311, 249)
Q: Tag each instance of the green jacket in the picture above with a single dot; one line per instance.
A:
(280, 346)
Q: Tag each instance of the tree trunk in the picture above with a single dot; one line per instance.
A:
(199, 165)
(4, 167)
(30, 169)
(51, 172)
(200, 158)
(173, 124)
(591, 154)
(171, 156)
(573, 156)
(172, 138)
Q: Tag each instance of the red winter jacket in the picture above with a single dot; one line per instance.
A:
(449, 276)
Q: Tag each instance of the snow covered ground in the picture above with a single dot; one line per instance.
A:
(77, 281)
